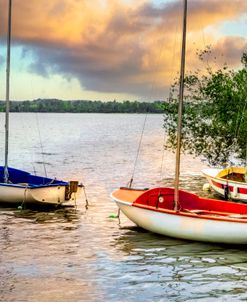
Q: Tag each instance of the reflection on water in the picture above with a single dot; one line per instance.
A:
(78, 254)
(182, 270)
(63, 214)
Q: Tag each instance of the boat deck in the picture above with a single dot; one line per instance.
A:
(162, 199)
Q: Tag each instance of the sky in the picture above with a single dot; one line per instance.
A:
(113, 49)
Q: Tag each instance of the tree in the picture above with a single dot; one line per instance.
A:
(215, 114)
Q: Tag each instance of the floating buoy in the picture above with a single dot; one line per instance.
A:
(113, 215)
(206, 187)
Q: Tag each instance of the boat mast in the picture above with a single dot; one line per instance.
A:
(6, 174)
(180, 108)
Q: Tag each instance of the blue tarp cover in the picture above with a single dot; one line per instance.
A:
(17, 176)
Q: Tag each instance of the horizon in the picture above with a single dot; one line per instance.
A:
(82, 100)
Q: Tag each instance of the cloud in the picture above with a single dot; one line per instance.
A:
(230, 49)
(117, 45)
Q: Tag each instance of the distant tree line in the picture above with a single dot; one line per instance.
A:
(83, 106)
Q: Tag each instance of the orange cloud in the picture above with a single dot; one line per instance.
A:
(212, 12)
(118, 45)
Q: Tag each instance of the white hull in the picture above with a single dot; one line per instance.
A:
(43, 195)
(237, 190)
(184, 227)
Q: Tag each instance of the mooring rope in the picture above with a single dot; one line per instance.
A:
(85, 195)
(24, 198)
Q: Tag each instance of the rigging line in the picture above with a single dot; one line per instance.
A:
(172, 65)
(152, 93)
(32, 97)
(157, 63)
(145, 119)
(162, 158)
(173, 60)
(246, 155)
(205, 46)
(238, 124)
(138, 151)
(25, 128)
(41, 145)
(7, 101)
(237, 130)
(173, 74)
(154, 77)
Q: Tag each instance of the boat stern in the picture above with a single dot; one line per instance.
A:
(126, 195)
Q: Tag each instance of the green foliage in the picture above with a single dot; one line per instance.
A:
(215, 114)
(54, 105)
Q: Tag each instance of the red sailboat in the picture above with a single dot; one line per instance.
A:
(180, 214)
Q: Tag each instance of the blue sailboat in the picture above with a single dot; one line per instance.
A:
(17, 186)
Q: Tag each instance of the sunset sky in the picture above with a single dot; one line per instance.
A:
(113, 49)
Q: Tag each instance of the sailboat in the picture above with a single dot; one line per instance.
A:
(180, 214)
(230, 182)
(18, 186)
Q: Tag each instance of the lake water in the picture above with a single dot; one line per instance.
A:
(84, 254)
